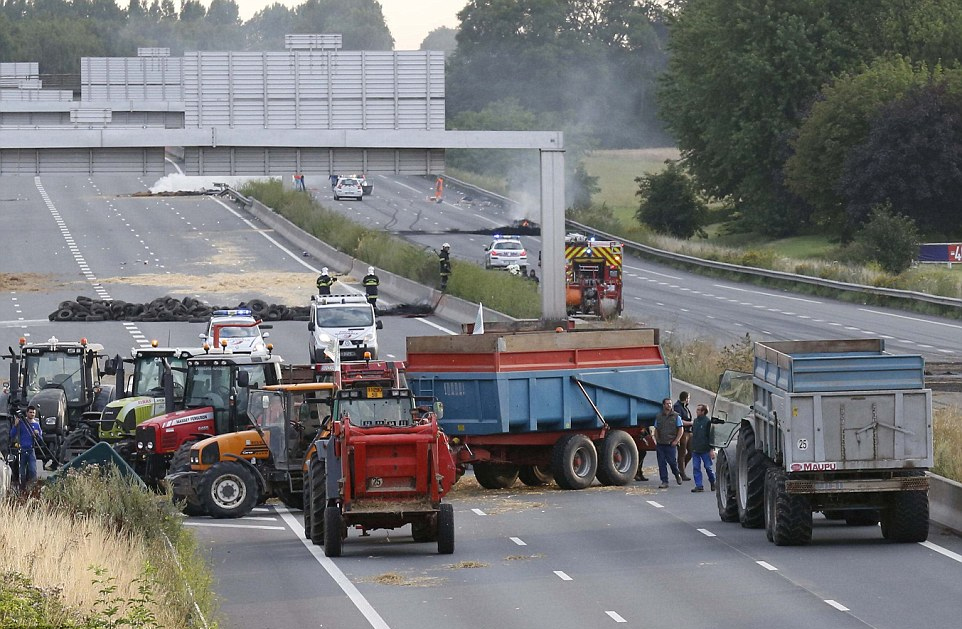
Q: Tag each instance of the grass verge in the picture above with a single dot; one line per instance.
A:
(498, 290)
(91, 551)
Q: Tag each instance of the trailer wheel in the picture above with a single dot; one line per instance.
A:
(863, 517)
(907, 518)
(534, 476)
(333, 523)
(228, 490)
(725, 490)
(446, 529)
(618, 459)
(496, 475)
(574, 461)
(791, 514)
(751, 480)
(314, 510)
(180, 488)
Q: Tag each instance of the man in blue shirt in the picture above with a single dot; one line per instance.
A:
(24, 434)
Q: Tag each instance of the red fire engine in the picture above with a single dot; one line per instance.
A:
(593, 276)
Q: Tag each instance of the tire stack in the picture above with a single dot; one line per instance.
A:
(168, 309)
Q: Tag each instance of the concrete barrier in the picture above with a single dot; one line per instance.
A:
(945, 502)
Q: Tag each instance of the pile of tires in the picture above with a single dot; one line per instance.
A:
(167, 309)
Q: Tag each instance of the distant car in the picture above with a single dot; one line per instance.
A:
(504, 252)
(348, 188)
(242, 331)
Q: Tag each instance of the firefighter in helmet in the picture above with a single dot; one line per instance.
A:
(371, 282)
(324, 282)
(444, 264)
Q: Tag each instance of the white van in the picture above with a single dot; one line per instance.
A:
(349, 319)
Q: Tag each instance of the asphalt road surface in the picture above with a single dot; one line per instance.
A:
(524, 557)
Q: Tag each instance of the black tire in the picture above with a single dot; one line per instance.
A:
(617, 459)
(446, 529)
(64, 315)
(314, 510)
(333, 525)
(725, 489)
(770, 491)
(574, 461)
(307, 510)
(76, 443)
(790, 515)
(906, 520)
(496, 475)
(228, 490)
(750, 488)
(291, 499)
(534, 476)
(862, 517)
(180, 488)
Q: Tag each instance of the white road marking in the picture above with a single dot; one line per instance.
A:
(437, 326)
(615, 616)
(942, 551)
(656, 505)
(563, 576)
(647, 272)
(706, 532)
(331, 568)
(837, 605)
(757, 292)
(479, 511)
(766, 565)
(518, 541)
(889, 314)
(236, 526)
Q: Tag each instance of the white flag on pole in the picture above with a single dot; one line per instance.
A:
(479, 321)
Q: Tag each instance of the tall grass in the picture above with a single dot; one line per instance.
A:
(948, 442)
(495, 289)
(94, 546)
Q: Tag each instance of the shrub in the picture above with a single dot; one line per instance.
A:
(670, 202)
(890, 239)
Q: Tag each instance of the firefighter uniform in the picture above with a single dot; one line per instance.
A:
(324, 282)
(444, 265)
(371, 283)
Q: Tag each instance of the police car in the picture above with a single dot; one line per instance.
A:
(237, 331)
(505, 251)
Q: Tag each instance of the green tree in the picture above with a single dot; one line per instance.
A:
(839, 121)
(670, 202)
(890, 239)
(742, 76)
(266, 29)
(192, 10)
(360, 22)
(441, 38)
(912, 160)
(223, 12)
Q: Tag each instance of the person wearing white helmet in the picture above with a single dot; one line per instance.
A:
(324, 282)
(444, 262)
(371, 283)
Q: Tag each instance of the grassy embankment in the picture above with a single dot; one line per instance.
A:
(94, 551)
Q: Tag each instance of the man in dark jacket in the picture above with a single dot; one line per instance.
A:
(684, 453)
(701, 447)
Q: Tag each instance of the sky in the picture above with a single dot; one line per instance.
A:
(409, 20)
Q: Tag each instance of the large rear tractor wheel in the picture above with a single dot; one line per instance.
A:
(181, 488)
(789, 515)
(534, 476)
(751, 480)
(725, 489)
(617, 459)
(446, 529)
(906, 520)
(314, 509)
(574, 461)
(333, 527)
(495, 475)
(228, 490)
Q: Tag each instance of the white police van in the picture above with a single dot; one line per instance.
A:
(348, 318)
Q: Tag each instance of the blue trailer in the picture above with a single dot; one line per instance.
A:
(571, 405)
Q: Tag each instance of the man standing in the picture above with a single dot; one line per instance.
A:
(701, 448)
(668, 431)
(324, 282)
(24, 434)
(444, 264)
(371, 283)
(684, 452)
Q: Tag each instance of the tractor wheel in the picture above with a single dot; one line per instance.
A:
(617, 459)
(291, 499)
(333, 526)
(574, 461)
(725, 490)
(314, 508)
(534, 476)
(907, 518)
(307, 510)
(228, 490)
(76, 443)
(127, 451)
(750, 488)
(180, 488)
(446, 529)
(790, 515)
(495, 475)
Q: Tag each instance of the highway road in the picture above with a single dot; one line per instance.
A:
(530, 558)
